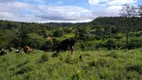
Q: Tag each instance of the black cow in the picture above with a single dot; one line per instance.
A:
(66, 44)
(10, 49)
(2, 52)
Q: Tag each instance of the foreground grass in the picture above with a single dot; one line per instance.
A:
(95, 65)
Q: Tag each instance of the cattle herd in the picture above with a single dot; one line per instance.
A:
(65, 45)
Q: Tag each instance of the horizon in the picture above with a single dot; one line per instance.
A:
(60, 11)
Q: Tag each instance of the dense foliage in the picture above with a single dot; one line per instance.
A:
(100, 49)
(94, 65)
(103, 32)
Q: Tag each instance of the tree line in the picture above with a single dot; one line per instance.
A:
(120, 32)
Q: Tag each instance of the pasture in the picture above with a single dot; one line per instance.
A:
(95, 65)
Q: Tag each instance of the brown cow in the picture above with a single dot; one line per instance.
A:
(27, 49)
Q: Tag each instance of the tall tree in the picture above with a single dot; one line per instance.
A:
(140, 10)
(128, 13)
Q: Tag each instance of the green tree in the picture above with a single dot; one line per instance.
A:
(58, 33)
(128, 13)
(34, 40)
(7, 37)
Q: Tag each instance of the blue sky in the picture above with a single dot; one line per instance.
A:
(60, 10)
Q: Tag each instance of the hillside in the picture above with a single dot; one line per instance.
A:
(95, 65)
(102, 32)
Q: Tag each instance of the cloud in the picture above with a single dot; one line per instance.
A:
(20, 11)
(96, 2)
(63, 12)
(121, 2)
(108, 7)
(28, 12)
(34, 1)
(6, 1)
(107, 12)
(111, 2)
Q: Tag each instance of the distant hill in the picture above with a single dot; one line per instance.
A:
(116, 22)
(59, 24)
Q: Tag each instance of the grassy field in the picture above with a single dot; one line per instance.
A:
(95, 65)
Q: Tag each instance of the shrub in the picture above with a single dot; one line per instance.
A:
(24, 70)
(47, 46)
(101, 62)
(135, 67)
(34, 40)
(56, 42)
(58, 33)
(118, 36)
(134, 44)
(113, 55)
(138, 34)
(44, 58)
(131, 45)
(100, 45)
(110, 44)
(82, 45)
(75, 77)
(71, 60)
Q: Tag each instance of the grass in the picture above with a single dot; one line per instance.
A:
(95, 65)
(69, 35)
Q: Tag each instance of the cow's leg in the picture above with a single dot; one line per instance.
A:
(57, 50)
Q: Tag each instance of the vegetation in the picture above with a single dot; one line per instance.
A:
(103, 32)
(96, 34)
(95, 65)
(107, 48)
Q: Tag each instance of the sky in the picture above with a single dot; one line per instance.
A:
(44, 11)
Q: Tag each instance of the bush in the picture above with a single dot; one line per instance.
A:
(24, 70)
(82, 45)
(58, 33)
(113, 54)
(67, 30)
(44, 58)
(138, 34)
(101, 62)
(71, 60)
(131, 45)
(118, 37)
(135, 67)
(34, 40)
(110, 44)
(100, 45)
(47, 46)
(135, 44)
(76, 77)
(56, 42)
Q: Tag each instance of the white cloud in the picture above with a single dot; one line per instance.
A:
(6, 1)
(68, 13)
(111, 2)
(23, 11)
(35, 1)
(19, 11)
(121, 2)
(115, 7)
(108, 7)
(105, 13)
(96, 2)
